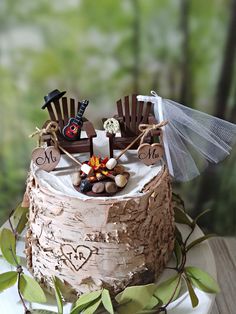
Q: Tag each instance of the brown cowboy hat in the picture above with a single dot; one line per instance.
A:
(51, 96)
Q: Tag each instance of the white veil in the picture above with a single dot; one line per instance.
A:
(192, 139)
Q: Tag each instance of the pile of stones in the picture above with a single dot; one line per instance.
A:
(102, 182)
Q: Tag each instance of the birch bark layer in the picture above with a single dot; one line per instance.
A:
(90, 244)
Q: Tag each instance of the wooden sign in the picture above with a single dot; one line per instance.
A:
(150, 154)
(76, 257)
(46, 158)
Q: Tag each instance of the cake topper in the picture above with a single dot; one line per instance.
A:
(191, 139)
(103, 181)
(47, 158)
(72, 129)
(112, 126)
(52, 96)
(151, 154)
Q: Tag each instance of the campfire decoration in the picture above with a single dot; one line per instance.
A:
(102, 181)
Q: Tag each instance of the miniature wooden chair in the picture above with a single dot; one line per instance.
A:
(61, 110)
(130, 115)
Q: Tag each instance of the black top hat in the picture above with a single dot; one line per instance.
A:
(53, 95)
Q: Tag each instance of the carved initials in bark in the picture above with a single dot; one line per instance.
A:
(77, 257)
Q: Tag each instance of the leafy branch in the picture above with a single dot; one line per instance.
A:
(143, 299)
(28, 288)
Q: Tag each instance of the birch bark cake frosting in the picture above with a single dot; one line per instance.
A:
(107, 241)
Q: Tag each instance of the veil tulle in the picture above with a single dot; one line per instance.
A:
(192, 139)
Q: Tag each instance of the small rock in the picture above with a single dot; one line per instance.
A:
(119, 169)
(110, 187)
(98, 187)
(85, 186)
(121, 180)
(76, 178)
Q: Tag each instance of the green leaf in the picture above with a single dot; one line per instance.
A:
(7, 280)
(84, 300)
(8, 247)
(106, 301)
(168, 289)
(202, 280)
(178, 202)
(42, 312)
(177, 252)
(58, 296)
(20, 218)
(192, 294)
(92, 307)
(178, 236)
(199, 240)
(139, 297)
(154, 302)
(31, 290)
(181, 217)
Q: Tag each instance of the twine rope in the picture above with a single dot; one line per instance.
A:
(51, 129)
(144, 129)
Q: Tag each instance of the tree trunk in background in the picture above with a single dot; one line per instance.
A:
(227, 70)
(233, 111)
(185, 87)
(209, 184)
(136, 45)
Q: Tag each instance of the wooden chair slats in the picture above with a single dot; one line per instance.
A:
(134, 114)
(127, 114)
(72, 107)
(140, 112)
(121, 116)
(120, 108)
(51, 112)
(60, 111)
(65, 110)
(146, 112)
(130, 114)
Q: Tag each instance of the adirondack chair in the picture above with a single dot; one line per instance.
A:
(60, 110)
(130, 114)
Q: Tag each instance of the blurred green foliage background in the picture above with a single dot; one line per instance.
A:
(103, 50)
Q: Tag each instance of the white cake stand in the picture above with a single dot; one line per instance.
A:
(200, 256)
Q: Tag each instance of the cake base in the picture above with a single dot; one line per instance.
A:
(95, 243)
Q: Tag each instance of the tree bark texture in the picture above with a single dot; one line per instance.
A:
(90, 244)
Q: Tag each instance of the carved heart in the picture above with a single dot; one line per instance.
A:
(150, 154)
(77, 257)
(46, 158)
